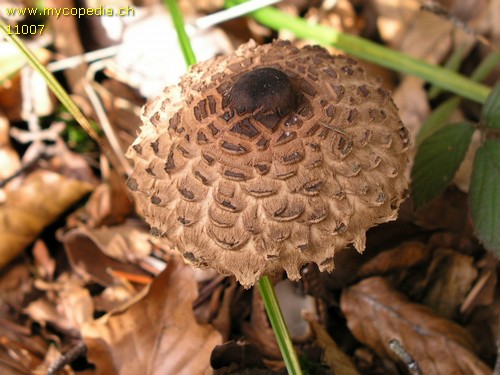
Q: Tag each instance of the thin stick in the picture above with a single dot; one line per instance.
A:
(77, 351)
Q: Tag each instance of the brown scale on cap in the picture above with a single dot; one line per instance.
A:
(268, 159)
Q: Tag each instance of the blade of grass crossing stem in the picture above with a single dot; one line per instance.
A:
(279, 326)
(184, 42)
(265, 286)
(50, 80)
(369, 51)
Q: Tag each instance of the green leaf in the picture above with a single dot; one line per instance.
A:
(491, 109)
(485, 195)
(437, 160)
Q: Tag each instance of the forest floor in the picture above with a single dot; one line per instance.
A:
(85, 289)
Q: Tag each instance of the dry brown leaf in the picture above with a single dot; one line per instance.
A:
(37, 202)
(109, 204)
(336, 359)
(376, 314)
(450, 276)
(404, 256)
(128, 242)
(156, 335)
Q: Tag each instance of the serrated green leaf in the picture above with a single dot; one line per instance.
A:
(437, 160)
(485, 195)
(491, 109)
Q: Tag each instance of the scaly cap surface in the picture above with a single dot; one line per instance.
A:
(268, 159)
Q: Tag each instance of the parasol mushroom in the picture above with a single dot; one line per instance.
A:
(268, 159)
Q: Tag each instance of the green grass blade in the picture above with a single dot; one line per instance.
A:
(369, 51)
(51, 81)
(184, 42)
(279, 326)
(486, 66)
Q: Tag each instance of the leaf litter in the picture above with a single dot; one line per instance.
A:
(79, 267)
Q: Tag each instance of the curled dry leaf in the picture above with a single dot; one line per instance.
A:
(258, 330)
(404, 256)
(376, 314)
(155, 335)
(94, 252)
(38, 201)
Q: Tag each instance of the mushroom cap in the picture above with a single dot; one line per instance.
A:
(268, 159)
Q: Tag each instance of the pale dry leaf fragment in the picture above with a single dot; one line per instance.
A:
(66, 305)
(393, 19)
(9, 159)
(377, 314)
(37, 202)
(155, 335)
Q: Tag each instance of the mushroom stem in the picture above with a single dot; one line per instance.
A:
(280, 329)
(265, 286)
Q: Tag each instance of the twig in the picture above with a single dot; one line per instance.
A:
(114, 144)
(77, 351)
(403, 355)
